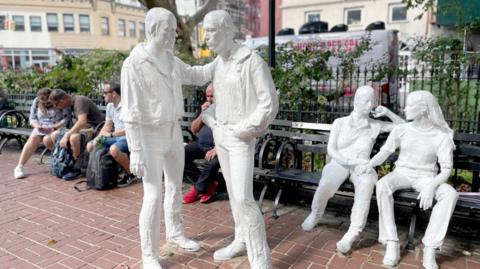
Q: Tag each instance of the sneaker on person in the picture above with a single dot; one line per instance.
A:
(126, 180)
(207, 196)
(72, 175)
(19, 172)
(191, 196)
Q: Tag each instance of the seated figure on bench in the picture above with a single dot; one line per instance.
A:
(203, 148)
(44, 118)
(113, 132)
(423, 143)
(350, 144)
(87, 118)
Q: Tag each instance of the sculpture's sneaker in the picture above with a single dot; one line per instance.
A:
(150, 262)
(229, 252)
(392, 254)
(310, 222)
(345, 244)
(429, 261)
(185, 243)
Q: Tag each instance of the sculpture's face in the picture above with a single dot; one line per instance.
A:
(413, 110)
(214, 37)
(363, 103)
(166, 33)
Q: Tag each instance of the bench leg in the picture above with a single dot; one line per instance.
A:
(475, 182)
(411, 230)
(262, 196)
(44, 152)
(3, 142)
(275, 206)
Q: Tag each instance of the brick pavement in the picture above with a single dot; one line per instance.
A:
(45, 223)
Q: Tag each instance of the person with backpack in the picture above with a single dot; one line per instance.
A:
(113, 132)
(87, 116)
(44, 118)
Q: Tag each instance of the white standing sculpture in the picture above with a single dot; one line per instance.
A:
(350, 143)
(423, 143)
(245, 104)
(152, 103)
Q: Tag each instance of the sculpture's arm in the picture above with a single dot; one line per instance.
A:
(386, 126)
(267, 101)
(332, 145)
(208, 117)
(196, 75)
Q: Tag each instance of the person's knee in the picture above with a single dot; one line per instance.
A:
(114, 151)
(382, 188)
(90, 147)
(75, 139)
(449, 193)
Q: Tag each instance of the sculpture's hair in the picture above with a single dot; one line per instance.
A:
(156, 17)
(221, 19)
(434, 113)
(366, 89)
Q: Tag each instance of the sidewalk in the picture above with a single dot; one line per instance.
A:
(45, 223)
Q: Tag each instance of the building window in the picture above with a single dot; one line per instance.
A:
(52, 22)
(84, 23)
(105, 26)
(121, 27)
(353, 16)
(68, 23)
(3, 23)
(312, 16)
(35, 23)
(132, 28)
(398, 13)
(141, 30)
(19, 23)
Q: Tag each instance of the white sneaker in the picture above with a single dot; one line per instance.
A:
(229, 252)
(19, 172)
(345, 244)
(185, 243)
(149, 262)
(392, 254)
(310, 222)
(429, 261)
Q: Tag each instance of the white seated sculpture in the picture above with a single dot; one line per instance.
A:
(245, 104)
(423, 143)
(350, 143)
(152, 104)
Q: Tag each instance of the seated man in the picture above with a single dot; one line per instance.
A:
(115, 140)
(87, 118)
(203, 148)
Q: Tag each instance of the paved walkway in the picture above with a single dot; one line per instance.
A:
(45, 223)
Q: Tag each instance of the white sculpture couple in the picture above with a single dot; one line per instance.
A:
(152, 104)
(423, 143)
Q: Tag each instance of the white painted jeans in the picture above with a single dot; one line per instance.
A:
(403, 178)
(164, 155)
(333, 175)
(237, 159)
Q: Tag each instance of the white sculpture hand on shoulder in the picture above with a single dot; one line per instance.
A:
(426, 196)
(137, 165)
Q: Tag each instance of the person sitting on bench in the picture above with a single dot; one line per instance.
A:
(203, 148)
(44, 118)
(114, 132)
(87, 118)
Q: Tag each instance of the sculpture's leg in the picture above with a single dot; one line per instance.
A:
(333, 175)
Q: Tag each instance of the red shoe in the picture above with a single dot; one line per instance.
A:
(212, 187)
(191, 196)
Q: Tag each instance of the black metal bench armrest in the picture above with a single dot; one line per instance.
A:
(21, 119)
(263, 154)
(281, 151)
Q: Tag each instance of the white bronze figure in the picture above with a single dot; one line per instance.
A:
(423, 143)
(245, 104)
(350, 144)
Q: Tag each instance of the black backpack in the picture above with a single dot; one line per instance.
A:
(102, 171)
(61, 161)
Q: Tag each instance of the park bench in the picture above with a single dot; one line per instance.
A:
(292, 144)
